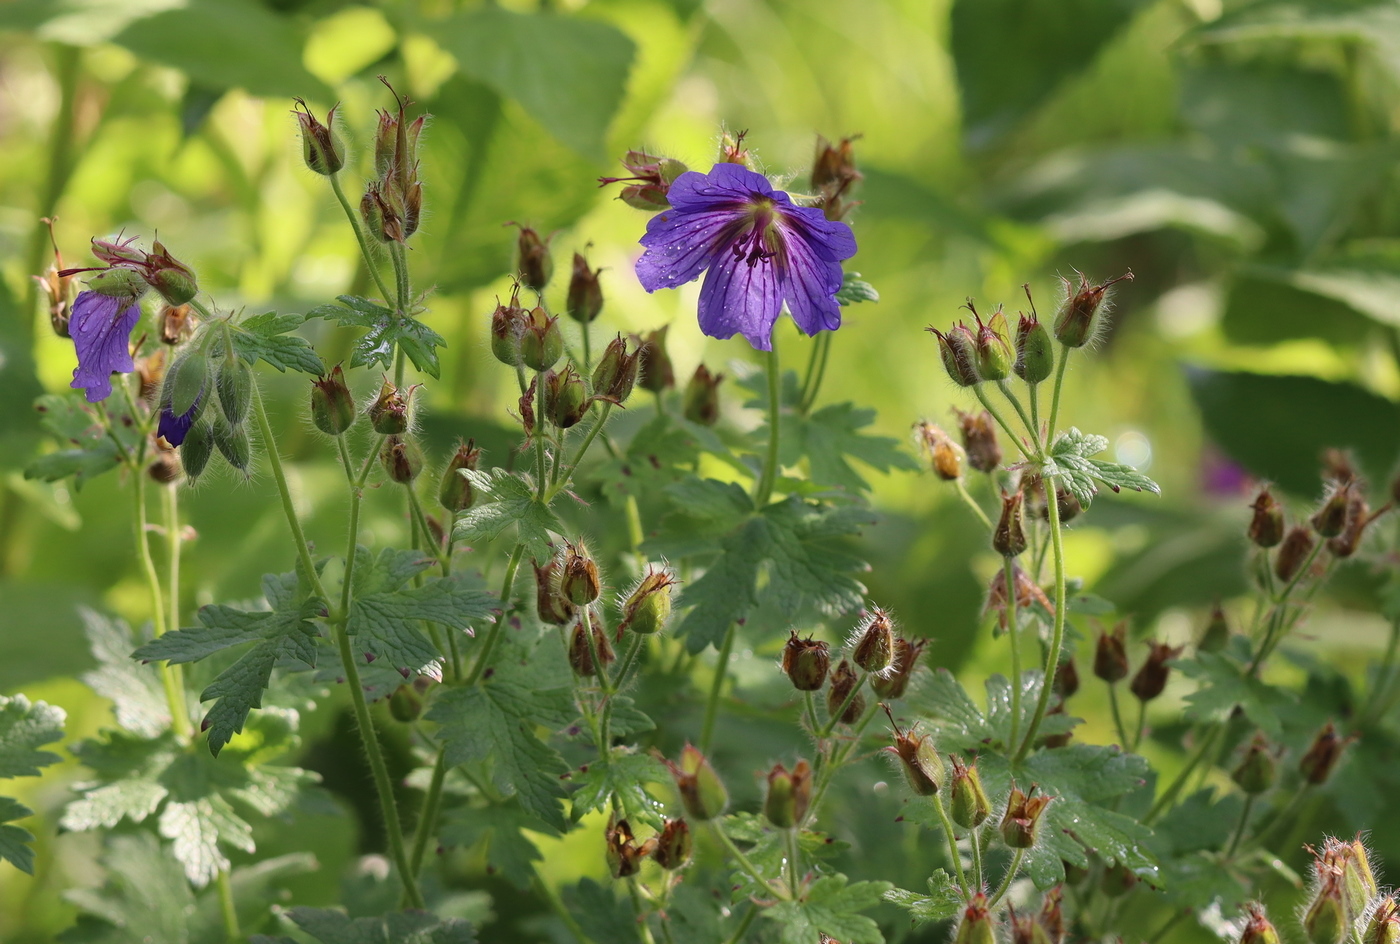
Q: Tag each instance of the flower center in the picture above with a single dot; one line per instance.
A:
(759, 238)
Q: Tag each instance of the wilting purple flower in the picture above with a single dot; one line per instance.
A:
(176, 428)
(760, 250)
(101, 329)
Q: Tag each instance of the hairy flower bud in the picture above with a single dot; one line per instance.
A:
(1258, 929)
(550, 603)
(1217, 634)
(1151, 677)
(656, 371)
(173, 279)
(541, 341)
(874, 642)
(1331, 518)
(702, 792)
(945, 456)
(232, 443)
(895, 681)
(1020, 824)
(922, 766)
(389, 413)
(1009, 538)
(789, 795)
(1111, 655)
(382, 217)
(976, 926)
(979, 440)
(1358, 517)
(843, 692)
(651, 178)
(565, 397)
(455, 492)
(321, 148)
(532, 259)
(1325, 920)
(165, 467)
(1266, 526)
(968, 802)
(1035, 355)
(1297, 547)
(578, 578)
(806, 662)
(1384, 925)
(673, 845)
(197, 449)
(581, 652)
(958, 349)
(833, 174)
(332, 405)
(405, 704)
(185, 383)
(1051, 917)
(1321, 758)
(648, 607)
(507, 327)
(402, 459)
(700, 401)
(994, 354)
(1257, 769)
(1077, 321)
(616, 372)
(233, 381)
(585, 298)
(176, 323)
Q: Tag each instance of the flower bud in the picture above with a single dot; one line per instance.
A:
(1258, 929)
(232, 443)
(945, 457)
(165, 467)
(173, 279)
(233, 381)
(1257, 769)
(565, 397)
(1350, 864)
(732, 150)
(923, 768)
(702, 792)
(332, 405)
(700, 402)
(1322, 756)
(1384, 926)
(402, 459)
(1021, 822)
(1066, 681)
(118, 283)
(1297, 547)
(1035, 355)
(527, 409)
(197, 449)
(843, 684)
(979, 440)
(56, 286)
(382, 216)
(1325, 920)
(585, 299)
(578, 577)
(616, 372)
(648, 607)
(958, 349)
(623, 853)
(1077, 321)
(550, 603)
(673, 845)
(455, 493)
(874, 642)
(789, 795)
(175, 323)
(321, 148)
(541, 342)
(1117, 881)
(968, 804)
(652, 178)
(533, 261)
(1217, 634)
(581, 653)
(185, 382)
(507, 327)
(405, 705)
(1009, 538)
(895, 681)
(806, 662)
(1331, 518)
(150, 372)
(1052, 918)
(1266, 527)
(833, 173)
(388, 414)
(994, 354)
(1151, 677)
(977, 926)
(1345, 544)
(1111, 656)
(656, 371)
(1049, 741)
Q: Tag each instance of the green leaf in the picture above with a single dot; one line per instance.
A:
(1069, 460)
(768, 849)
(944, 899)
(1074, 443)
(659, 454)
(855, 290)
(831, 435)
(145, 898)
(385, 332)
(264, 338)
(957, 722)
(135, 690)
(624, 774)
(330, 926)
(1117, 477)
(284, 631)
(508, 849)
(1224, 686)
(24, 727)
(14, 840)
(88, 450)
(602, 915)
(568, 73)
(831, 908)
(1277, 426)
(506, 499)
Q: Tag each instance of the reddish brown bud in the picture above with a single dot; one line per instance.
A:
(958, 350)
(945, 456)
(616, 372)
(455, 493)
(843, 683)
(565, 397)
(979, 440)
(806, 662)
(581, 653)
(1077, 321)
(1020, 825)
(176, 323)
(623, 853)
(702, 792)
(585, 299)
(833, 174)
(895, 682)
(550, 603)
(532, 258)
(700, 401)
(1111, 655)
(1322, 756)
(321, 148)
(332, 405)
(874, 642)
(1331, 518)
(389, 413)
(1009, 538)
(1266, 527)
(578, 578)
(651, 178)
(656, 371)
(673, 845)
(923, 768)
(1358, 517)
(1151, 678)
(1297, 548)
(1066, 677)
(789, 795)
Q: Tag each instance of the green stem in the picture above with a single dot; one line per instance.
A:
(629, 662)
(568, 472)
(835, 717)
(746, 864)
(972, 502)
(493, 635)
(769, 477)
(816, 372)
(1008, 878)
(1165, 800)
(416, 508)
(172, 543)
(1276, 630)
(743, 927)
(540, 422)
(1001, 421)
(560, 910)
(1141, 724)
(1010, 395)
(1035, 408)
(1057, 633)
(976, 844)
(401, 282)
(707, 728)
(360, 238)
(953, 853)
(169, 677)
(427, 819)
(227, 910)
(1118, 716)
(1055, 395)
(600, 670)
(794, 866)
(1243, 825)
(1010, 578)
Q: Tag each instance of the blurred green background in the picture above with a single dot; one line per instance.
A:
(1238, 158)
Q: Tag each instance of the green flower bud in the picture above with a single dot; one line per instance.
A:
(977, 926)
(1009, 538)
(455, 493)
(1325, 920)
(173, 279)
(405, 705)
(232, 442)
(1317, 764)
(321, 148)
(874, 642)
(656, 371)
(1257, 769)
(1035, 355)
(541, 342)
(1258, 929)
(332, 405)
(616, 372)
(578, 578)
(185, 382)
(585, 299)
(1350, 863)
(789, 795)
(1077, 321)
(806, 662)
(233, 381)
(1020, 825)
(648, 607)
(702, 792)
(389, 413)
(893, 683)
(994, 354)
(402, 459)
(1330, 519)
(673, 845)
(1384, 926)
(958, 349)
(700, 401)
(565, 397)
(118, 283)
(969, 805)
(533, 260)
(923, 768)
(197, 448)
(1217, 633)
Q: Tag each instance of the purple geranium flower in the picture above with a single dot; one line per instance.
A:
(176, 428)
(101, 329)
(760, 250)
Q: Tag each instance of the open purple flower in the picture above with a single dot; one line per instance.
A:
(760, 250)
(101, 329)
(176, 428)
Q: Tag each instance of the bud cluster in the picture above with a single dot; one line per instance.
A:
(392, 205)
(205, 371)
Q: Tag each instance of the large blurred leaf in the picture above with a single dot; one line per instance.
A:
(570, 74)
(1012, 54)
(1278, 426)
(1371, 23)
(1265, 306)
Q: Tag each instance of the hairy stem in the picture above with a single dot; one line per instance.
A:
(227, 910)
(493, 635)
(954, 856)
(746, 864)
(1243, 825)
(1014, 637)
(170, 678)
(1055, 394)
(365, 253)
(427, 819)
(769, 478)
(568, 471)
(1057, 632)
(991, 408)
(972, 502)
(707, 728)
(1015, 401)
(1118, 717)
(1008, 878)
